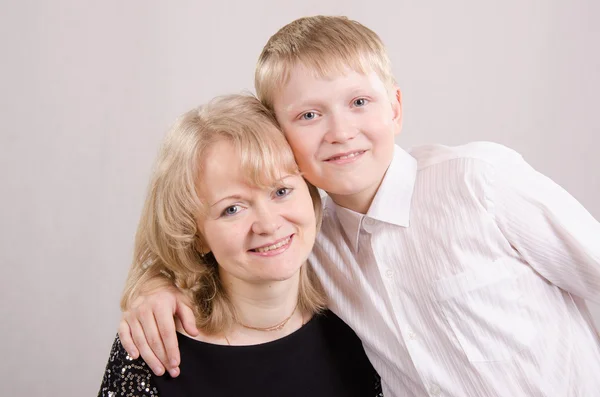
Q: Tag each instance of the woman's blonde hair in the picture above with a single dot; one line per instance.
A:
(325, 45)
(168, 240)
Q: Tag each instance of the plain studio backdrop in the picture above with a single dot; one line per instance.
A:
(88, 90)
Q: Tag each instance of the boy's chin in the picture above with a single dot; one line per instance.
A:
(339, 185)
(344, 187)
(356, 198)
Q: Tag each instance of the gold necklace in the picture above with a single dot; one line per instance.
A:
(229, 343)
(276, 327)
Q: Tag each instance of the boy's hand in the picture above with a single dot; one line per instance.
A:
(148, 327)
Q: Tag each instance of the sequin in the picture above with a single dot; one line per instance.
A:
(125, 376)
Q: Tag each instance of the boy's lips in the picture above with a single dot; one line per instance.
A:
(345, 157)
(274, 248)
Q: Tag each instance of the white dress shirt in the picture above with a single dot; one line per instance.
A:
(467, 277)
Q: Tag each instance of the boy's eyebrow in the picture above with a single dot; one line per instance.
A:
(359, 90)
(301, 106)
(297, 104)
(315, 100)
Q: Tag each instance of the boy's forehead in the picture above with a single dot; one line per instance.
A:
(303, 85)
(328, 71)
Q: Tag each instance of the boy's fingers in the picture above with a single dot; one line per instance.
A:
(168, 335)
(140, 334)
(126, 339)
(153, 336)
(187, 318)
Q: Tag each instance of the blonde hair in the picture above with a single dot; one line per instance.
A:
(168, 240)
(325, 45)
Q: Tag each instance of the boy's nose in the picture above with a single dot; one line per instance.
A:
(339, 130)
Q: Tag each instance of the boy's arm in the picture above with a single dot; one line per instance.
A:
(551, 230)
(148, 327)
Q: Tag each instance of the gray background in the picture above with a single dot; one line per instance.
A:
(88, 89)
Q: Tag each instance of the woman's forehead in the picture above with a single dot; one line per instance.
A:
(225, 172)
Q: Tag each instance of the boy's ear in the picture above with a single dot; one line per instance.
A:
(396, 98)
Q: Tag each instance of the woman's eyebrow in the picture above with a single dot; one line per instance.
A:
(233, 196)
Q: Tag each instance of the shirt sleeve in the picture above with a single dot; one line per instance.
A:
(550, 229)
(125, 376)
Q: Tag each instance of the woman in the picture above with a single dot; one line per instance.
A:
(230, 222)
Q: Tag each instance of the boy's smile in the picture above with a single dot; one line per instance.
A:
(342, 130)
(348, 157)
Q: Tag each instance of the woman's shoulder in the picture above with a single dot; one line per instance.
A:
(126, 376)
(339, 337)
(331, 322)
(350, 358)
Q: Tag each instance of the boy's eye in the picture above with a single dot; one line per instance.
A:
(234, 209)
(309, 116)
(282, 192)
(360, 102)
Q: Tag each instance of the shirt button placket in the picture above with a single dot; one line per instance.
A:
(369, 225)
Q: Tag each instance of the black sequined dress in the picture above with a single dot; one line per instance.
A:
(323, 358)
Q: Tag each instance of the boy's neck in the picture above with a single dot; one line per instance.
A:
(358, 202)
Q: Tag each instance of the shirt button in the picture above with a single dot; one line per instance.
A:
(368, 224)
(411, 335)
(369, 221)
(435, 390)
(389, 273)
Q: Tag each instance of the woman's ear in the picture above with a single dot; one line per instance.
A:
(201, 246)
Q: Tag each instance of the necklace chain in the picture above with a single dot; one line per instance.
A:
(273, 328)
(276, 327)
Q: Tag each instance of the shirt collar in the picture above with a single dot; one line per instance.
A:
(392, 200)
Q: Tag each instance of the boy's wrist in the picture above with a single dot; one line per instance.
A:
(148, 288)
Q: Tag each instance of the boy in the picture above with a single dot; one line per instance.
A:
(462, 269)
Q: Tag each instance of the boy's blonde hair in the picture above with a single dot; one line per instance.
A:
(168, 240)
(325, 45)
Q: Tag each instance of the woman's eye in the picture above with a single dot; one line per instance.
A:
(309, 116)
(360, 102)
(282, 192)
(234, 209)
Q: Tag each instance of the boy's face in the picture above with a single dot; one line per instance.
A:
(342, 130)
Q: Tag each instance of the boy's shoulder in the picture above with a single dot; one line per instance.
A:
(485, 152)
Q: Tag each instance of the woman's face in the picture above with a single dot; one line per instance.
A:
(257, 235)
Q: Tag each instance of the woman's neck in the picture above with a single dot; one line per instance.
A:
(261, 307)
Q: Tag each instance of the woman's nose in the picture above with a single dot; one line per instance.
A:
(267, 221)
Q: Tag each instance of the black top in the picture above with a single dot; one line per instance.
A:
(323, 358)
